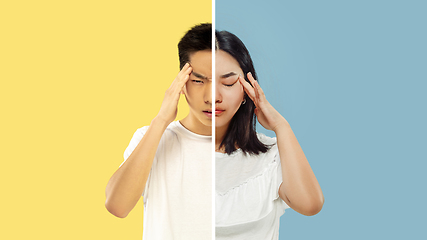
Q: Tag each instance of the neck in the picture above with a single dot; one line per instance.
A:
(195, 126)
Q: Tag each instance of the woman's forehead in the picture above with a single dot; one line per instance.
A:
(229, 74)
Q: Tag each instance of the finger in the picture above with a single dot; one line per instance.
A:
(251, 78)
(184, 69)
(260, 92)
(187, 72)
(183, 78)
(247, 87)
(256, 88)
(181, 84)
(254, 84)
(257, 92)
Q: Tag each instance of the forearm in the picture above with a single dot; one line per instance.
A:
(126, 185)
(300, 187)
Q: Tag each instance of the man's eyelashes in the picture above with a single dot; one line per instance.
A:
(197, 81)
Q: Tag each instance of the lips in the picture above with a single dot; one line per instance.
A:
(218, 111)
(208, 113)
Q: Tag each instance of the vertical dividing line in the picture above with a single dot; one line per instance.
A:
(213, 119)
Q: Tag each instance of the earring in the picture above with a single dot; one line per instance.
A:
(244, 101)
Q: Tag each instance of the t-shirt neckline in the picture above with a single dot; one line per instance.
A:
(187, 132)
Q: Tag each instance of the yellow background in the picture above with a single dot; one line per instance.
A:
(77, 79)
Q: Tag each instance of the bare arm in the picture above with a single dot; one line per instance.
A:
(126, 185)
(300, 189)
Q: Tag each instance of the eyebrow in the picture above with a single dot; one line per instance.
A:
(228, 75)
(198, 75)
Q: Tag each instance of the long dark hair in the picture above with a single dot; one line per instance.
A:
(241, 131)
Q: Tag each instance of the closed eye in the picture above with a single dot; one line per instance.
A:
(230, 84)
(197, 81)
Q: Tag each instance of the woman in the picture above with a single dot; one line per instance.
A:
(257, 177)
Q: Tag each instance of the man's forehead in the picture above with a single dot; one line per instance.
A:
(199, 75)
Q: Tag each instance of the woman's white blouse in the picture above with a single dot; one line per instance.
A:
(247, 203)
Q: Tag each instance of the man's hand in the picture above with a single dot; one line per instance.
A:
(169, 108)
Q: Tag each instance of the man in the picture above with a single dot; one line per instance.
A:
(169, 163)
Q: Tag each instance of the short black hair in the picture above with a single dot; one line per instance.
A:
(241, 131)
(198, 38)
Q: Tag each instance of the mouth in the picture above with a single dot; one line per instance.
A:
(208, 112)
(218, 111)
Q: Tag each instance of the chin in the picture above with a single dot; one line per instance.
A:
(206, 122)
(219, 123)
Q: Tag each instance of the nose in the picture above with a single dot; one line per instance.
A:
(218, 96)
(208, 93)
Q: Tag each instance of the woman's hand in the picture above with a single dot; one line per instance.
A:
(268, 117)
(169, 108)
(300, 189)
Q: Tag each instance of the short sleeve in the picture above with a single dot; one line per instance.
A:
(137, 136)
(276, 173)
(278, 181)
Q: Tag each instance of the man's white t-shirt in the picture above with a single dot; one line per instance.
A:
(178, 196)
(247, 202)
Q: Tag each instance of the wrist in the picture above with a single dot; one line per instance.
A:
(160, 122)
(283, 124)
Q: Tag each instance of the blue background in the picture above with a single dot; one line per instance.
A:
(350, 77)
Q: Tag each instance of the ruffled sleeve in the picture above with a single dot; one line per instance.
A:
(279, 180)
(256, 197)
(274, 152)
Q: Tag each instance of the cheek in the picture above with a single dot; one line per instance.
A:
(234, 97)
(193, 91)
(189, 90)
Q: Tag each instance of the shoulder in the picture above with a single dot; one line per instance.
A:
(172, 128)
(170, 131)
(272, 153)
(170, 135)
(142, 130)
(266, 139)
